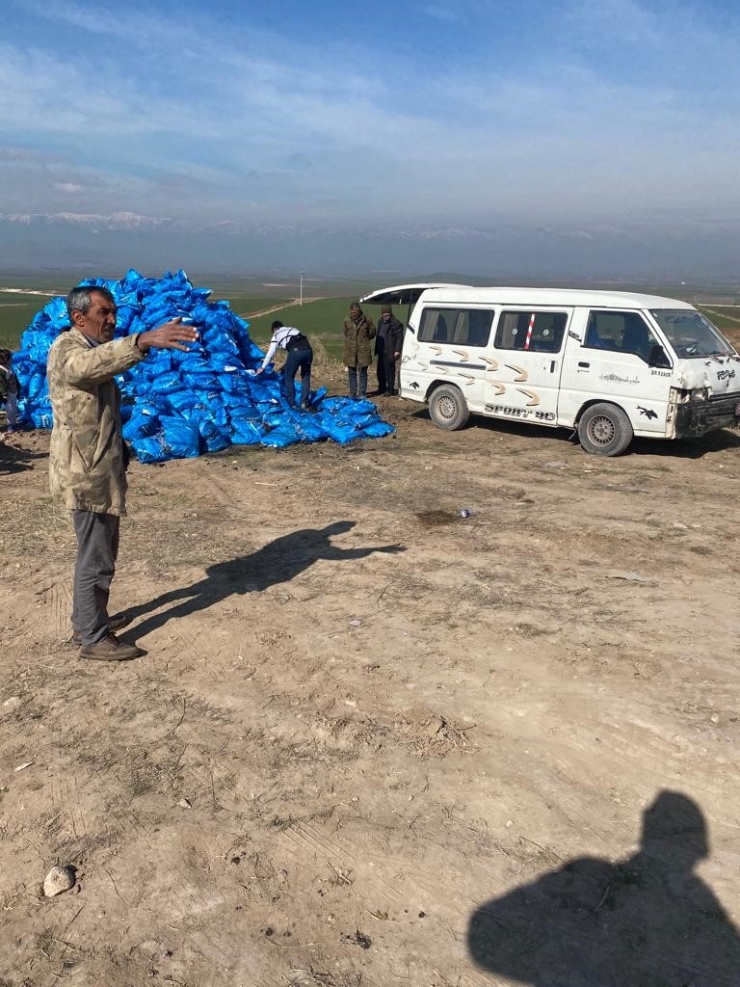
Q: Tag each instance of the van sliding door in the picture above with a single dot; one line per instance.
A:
(528, 346)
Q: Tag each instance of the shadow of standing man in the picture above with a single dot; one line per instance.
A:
(648, 921)
(277, 562)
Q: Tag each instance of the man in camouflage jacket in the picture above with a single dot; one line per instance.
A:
(87, 468)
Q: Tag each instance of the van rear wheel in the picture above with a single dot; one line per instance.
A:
(447, 408)
(604, 430)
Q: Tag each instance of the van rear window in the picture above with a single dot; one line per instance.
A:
(541, 332)
(456, 326)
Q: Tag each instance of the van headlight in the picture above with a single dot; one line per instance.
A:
(700, 394)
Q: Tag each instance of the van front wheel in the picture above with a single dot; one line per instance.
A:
(604, 430)
(447, 408)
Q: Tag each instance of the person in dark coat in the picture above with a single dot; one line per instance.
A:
(358, 355)
(388, 342)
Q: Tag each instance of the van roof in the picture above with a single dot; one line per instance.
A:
(405, 294)
(521, 296)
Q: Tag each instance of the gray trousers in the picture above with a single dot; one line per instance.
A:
(97, 551)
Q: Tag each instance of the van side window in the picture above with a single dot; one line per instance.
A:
(456, 326)
(541, 332)
(620, 332)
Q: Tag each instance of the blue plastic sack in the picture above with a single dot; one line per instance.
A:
(340, 431)
(378, 430)
(281, 437)
(142, 422)
(310, 429)
(215, 440)
(150, 449)
(182, 400)
(246, 431)
(181, 437)
(42, 417)
(167, 384)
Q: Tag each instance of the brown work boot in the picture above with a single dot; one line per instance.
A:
(110, 649)
(116, 623)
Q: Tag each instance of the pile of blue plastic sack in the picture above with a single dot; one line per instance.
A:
(179, 405)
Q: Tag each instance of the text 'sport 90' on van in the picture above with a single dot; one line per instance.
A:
(609, 364)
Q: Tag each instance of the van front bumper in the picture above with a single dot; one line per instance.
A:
(695, 418)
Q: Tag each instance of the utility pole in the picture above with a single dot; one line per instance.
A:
(301, 301)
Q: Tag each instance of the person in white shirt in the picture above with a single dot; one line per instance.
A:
(298, 355)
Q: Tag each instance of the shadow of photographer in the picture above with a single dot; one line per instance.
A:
(277, 562)
(648, 921)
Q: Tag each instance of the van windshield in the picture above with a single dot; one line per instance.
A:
(690, 334)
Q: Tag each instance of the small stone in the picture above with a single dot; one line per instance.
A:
(184, 804)
(13, 703)
(58, 880)
(714, 718)
(22, 767)
(627, 575)
(355, 622)
(435, 726)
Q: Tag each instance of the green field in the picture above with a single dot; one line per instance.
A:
(16, 311)
(724, 317)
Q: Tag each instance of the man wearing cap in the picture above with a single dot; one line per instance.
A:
(388, 343)
(358, 355)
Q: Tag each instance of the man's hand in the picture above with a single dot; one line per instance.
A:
(172, 335)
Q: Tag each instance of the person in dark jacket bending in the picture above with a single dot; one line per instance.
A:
(388, 342)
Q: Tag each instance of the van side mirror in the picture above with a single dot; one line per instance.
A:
(658, 357)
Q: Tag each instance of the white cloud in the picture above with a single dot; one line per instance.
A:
(176, 120)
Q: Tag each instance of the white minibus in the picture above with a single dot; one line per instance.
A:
(609, 364)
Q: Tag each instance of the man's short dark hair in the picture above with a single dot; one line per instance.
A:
(277, 324)
(79, 300)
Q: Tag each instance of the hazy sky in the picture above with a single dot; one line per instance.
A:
(581, 116)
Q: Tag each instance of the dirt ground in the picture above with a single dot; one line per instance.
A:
(363, 719)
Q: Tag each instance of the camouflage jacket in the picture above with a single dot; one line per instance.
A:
(357, 335)
(86, 465)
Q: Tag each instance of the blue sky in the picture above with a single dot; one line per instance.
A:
(585, 118)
